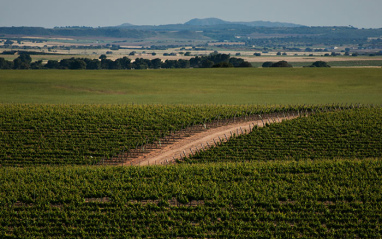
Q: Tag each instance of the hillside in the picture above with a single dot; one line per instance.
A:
(217, 21)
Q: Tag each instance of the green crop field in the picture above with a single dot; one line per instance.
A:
(193, 86)
(84, 134)
(354, 133)
(315, 176)
(311, 177)
(308, 199)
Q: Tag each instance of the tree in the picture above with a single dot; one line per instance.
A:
(92, 64)
(115, 47)
(187, 54)
(37, 65)
(169, 64)
(257, 54)
(8, 42)
(4, 64)
(65, 64)
(195, 62)
(77, 64)
(281, 64)
(156, 63)
(183, 63)
(102, 57)
(25, 58)
(235, 61)
(222, 65)
(278, 53)
(218, 58)
(124, 62)
(245, 64)
(106, 64)
(320, 64)
(115, 65)
(141, 63)
(207, 63)
(267, 64)
(22, 62)
(52, 64)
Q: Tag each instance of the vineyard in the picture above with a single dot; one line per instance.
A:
(90, 134)
(321, 198)
(315, 176)
(354, 133)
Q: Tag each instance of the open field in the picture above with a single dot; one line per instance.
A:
(193, 86)
(247, 55)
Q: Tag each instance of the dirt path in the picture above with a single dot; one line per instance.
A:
(198, 141)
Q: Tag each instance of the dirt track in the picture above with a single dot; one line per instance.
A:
(198, 141)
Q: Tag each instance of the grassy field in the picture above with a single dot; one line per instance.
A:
(193, 86)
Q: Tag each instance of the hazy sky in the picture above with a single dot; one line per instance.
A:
(50, 13)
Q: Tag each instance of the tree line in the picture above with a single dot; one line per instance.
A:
(24, 61)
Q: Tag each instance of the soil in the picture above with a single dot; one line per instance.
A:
(199, 141)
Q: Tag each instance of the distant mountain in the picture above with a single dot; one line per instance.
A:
(217, 21)
(206, 22)
(126, 25)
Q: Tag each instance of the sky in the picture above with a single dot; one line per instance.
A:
(94, 13)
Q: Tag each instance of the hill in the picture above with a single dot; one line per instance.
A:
(217, 21)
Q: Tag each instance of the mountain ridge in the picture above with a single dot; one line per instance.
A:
(217, 21)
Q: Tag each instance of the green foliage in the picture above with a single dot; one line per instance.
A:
(213, 60)
(354, 133)
(267, 64)
(4, 64)
(276, 64)
(320, 64)
(22, 62)
(308, 199)
(281, 64)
